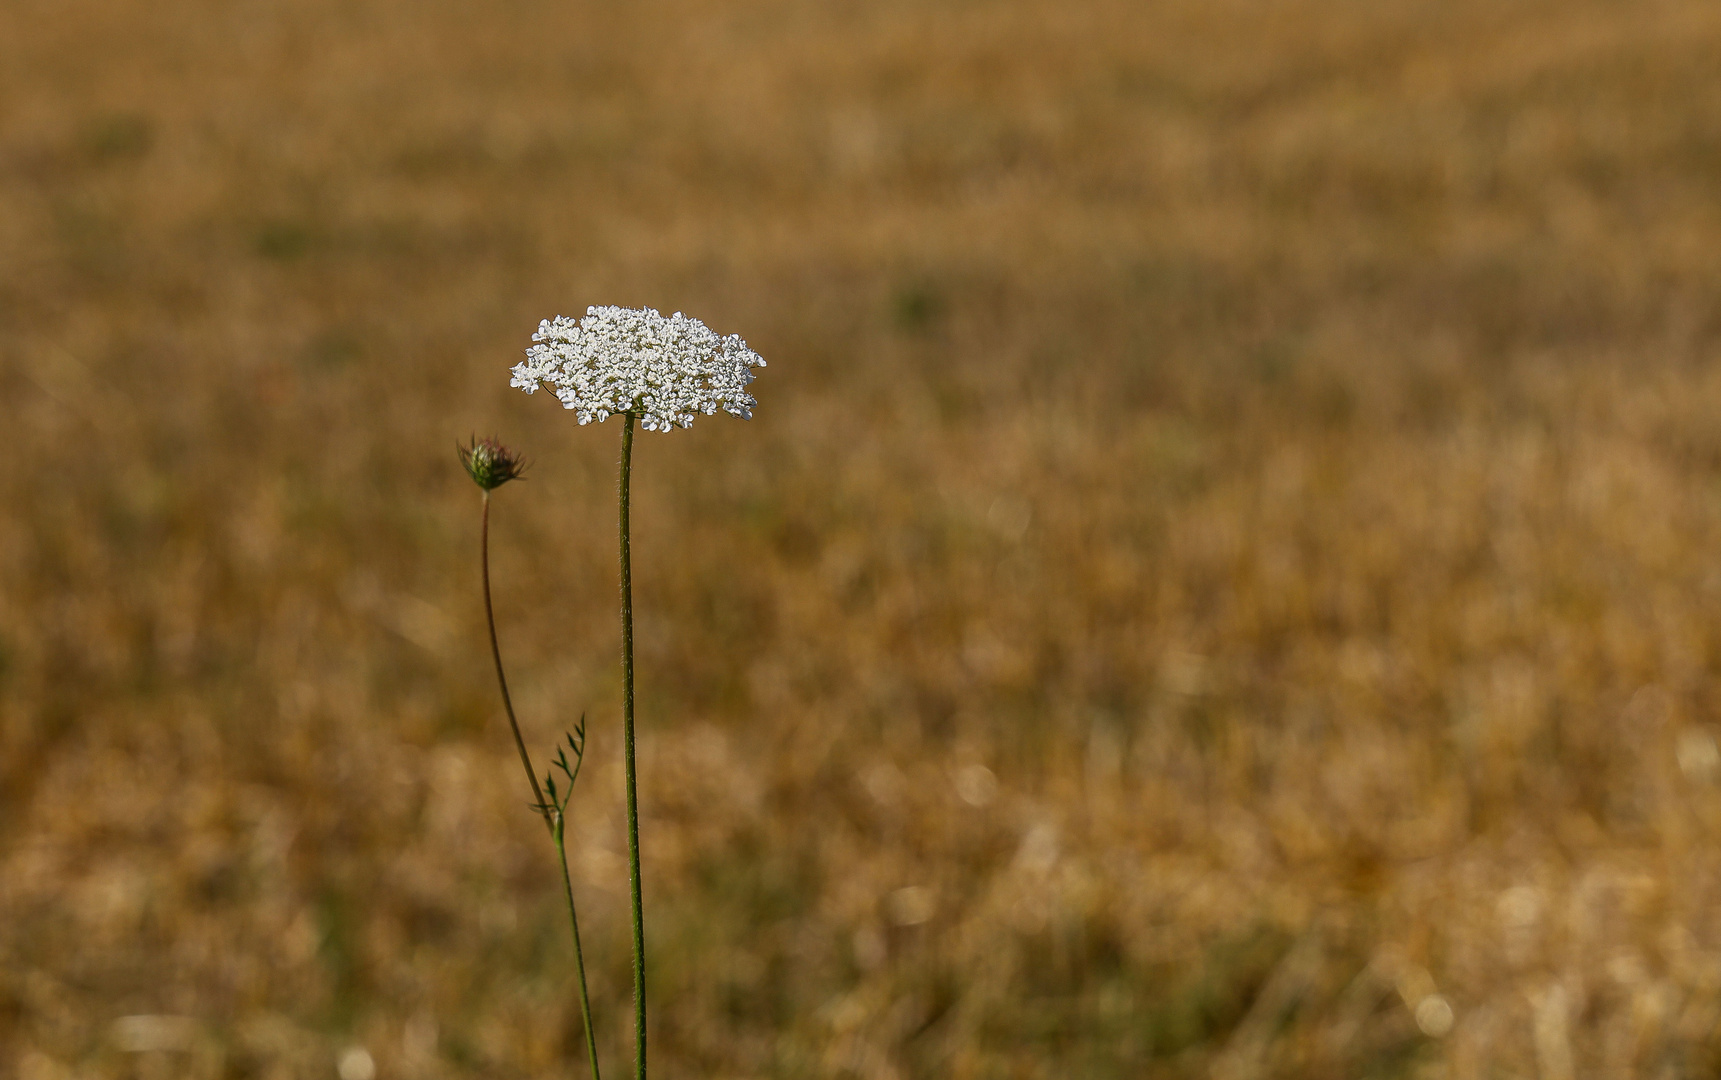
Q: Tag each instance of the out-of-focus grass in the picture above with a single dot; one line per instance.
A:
(1223, 580)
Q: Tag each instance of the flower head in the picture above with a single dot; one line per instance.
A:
(490, 464)
(634, 360)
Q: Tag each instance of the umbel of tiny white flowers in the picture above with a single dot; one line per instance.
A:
(634, 360)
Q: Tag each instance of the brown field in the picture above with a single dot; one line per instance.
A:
(1224, 581)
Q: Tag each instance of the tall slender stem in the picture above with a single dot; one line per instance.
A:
(627, 752)
(553, 813)
(501, 679)
(579, 957)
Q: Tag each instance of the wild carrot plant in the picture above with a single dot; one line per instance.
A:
(490, 464)
(637, 364)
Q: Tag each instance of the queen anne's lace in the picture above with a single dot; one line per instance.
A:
(618, 360)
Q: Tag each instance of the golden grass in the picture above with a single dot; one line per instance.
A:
(1223, 581)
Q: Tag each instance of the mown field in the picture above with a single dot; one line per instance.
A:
(1224, 580)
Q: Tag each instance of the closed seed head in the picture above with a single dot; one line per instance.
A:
(490, 464)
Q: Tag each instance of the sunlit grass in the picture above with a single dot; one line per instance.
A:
(1226, 569)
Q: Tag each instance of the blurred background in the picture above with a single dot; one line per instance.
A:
(1224, 580)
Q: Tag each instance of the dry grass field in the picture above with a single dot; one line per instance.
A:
(1224, 580)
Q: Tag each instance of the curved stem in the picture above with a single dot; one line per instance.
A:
(579, 957)
(627, 753)
(501, 679)
(553, 815)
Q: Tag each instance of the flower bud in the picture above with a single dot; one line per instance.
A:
(490, 464)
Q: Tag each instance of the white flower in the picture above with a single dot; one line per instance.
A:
(620, 360)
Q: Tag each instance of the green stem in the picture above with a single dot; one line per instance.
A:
(501, 679)
(627, 753)
(553, 816)
(579, 957)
